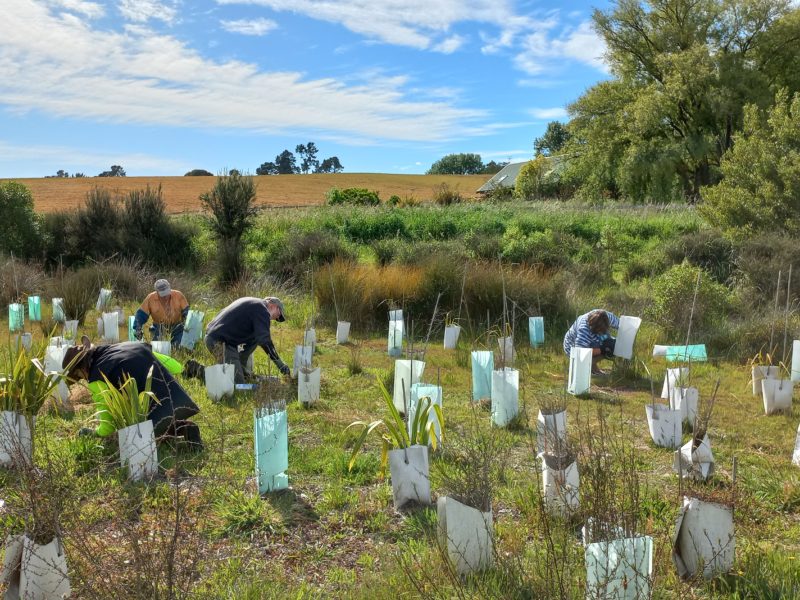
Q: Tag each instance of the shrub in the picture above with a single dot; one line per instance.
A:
(483, 246)
(79, 290)
(444, 195)
(96, 230)
(386, 250)
(19, 226)
(547, 248)
(19, 279)
(357, 196)
(537, 180)
(393, 200)
(758, 261)
(706, 249)
(304, 249)
(499, 193)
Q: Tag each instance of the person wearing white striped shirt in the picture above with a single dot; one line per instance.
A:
(591, 330)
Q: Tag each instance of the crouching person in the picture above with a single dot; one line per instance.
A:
(168, 309)
(172, 407)
(592, 331)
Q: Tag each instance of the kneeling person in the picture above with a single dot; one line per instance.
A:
(168, 309)
(591, 330)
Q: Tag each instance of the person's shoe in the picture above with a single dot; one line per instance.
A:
(194, 369)
(190, 432)
(599, 372)
(85, 432)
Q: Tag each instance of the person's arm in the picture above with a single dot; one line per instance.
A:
(264, 339)
(139, 319)
(584, 338)
(613, 320)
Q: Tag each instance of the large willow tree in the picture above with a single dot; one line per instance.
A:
(682, 73)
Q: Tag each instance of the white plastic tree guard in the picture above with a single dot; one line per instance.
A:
(467, 533)
(16, 440)
(271, 450)
(626, 336)
(551, 429)
(110, 327)
(220, 381)
(777, 395)
(23, 341)
(451, 334)
(505, 396)
(395, 340)
(665, 424)
(763, 372)
(137, 451)
(676, 377)
(426, 390)
(507, 353)
(59, 316)
(308, 386)
(561, 483)
(482, 367)
(103, 299)
(410, 475)
(310, 337)
(16, 317)
(53, 366)
(704, 539)
(33, 571)
(406, 374)
(342, 332)
(796, 455)
(580, 371)
(70, 330)
(685, 399)
(120, 316)
(795, 375)
(619, 569)
(302, 358)
(192, 329)
(164, 348)
(694, 461)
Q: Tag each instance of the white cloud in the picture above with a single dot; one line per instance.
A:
(91, 10)
(549, 113)
(541, 51)
(141, 11)
(249, 27)
(449, 45)
(62, 66)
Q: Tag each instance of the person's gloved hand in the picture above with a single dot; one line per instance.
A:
(607, 347)
(138, 334)
(285, 370)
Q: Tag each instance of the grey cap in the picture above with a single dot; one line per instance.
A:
(163, 288)
(277, 302)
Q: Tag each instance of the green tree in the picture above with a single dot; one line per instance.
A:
(267, 168)
(760, 191)
(553, 140)
(199, 173)
(308, 156)
(493, 167)
(19, 226)
(330, 165)
(457, 164)
(115, 171)
(286, 163)
(683, 70)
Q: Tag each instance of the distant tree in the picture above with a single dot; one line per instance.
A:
(79, 174)
(457, 164)
(267, 168)
(62, 173)
(330, 165)
(308, 156)
(116, 171)
(235, 172)
(286, 163)
(554, 139)
(493, 167)
(198, 173)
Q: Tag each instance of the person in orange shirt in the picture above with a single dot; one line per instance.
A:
(168, 309)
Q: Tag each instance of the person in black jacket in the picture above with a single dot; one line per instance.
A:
(241, 327)
(170, 414)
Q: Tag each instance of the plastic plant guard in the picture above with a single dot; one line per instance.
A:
(551, 431)
(395, 342)
(704, 539)
(467, 533)
(426, 390)
(192, 329)
(795, 360)
(103, 299)
(342, 332)
(163, 348)
(620, 569)
(410, 475)
(120, 316)
(695, 353)
(36, 572)
(310, 337)
(674, 378)
(580, 371)
(777, 395)
(665, 425)
(796, 455)
(561, 483)
(404, 378)
(220, 381)
(131, 329)
(536, 331)
(396, 315)
(16, 317)
(71, 330)
(507, 353)
(694, 463)
(34, 308)
(626, 336)
(685, 399)
(308, 385)
(302, 359)
(137, 451)
(110, 327)
(16, 441)
(482, 367)
(53, 365)
(271, 450)
(24, 341)
(763, 372)
(59, 316)
(451, 334)
(505, 396)
(659, 351)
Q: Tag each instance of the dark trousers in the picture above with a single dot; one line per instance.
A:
(158, 331)
(223, 353)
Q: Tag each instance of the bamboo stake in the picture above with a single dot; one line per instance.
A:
(333, 289)
(774, 314)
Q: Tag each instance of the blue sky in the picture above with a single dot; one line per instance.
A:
(164, 86)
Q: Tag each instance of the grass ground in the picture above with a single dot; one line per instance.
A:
(182, 193)
(335, 534)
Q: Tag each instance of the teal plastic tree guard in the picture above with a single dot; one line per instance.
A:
(272, 450)
(192, 329)
(16, 317)
(536, 331)
(482, 367)
(695, 353)
(131, 329)
(34, 308)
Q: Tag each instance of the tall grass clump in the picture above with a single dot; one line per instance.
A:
(19, 279)
(444, 195)
(231, 204)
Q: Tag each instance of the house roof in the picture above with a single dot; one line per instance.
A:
(506, 177)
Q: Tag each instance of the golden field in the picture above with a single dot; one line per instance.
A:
(182, 193)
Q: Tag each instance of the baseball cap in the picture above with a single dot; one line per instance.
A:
(163, 288)
(279, 304)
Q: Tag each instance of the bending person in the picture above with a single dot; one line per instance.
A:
(592, 331)
(168, 309)
(241, 327)
(171, 412)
